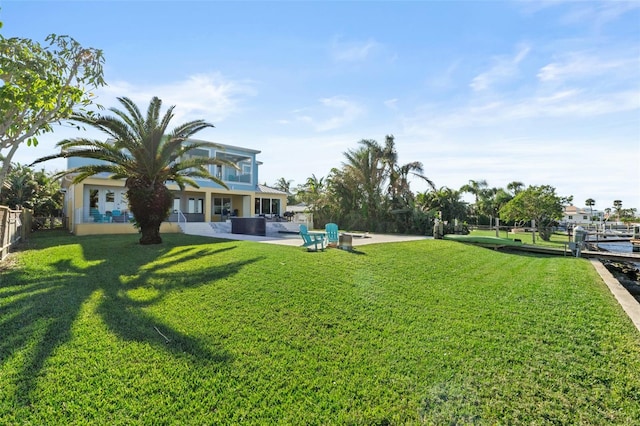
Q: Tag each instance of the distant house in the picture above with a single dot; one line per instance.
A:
(581, 216)
(99, 205)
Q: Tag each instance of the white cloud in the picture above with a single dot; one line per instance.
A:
(209, 96)
(334, 113)
(503, 68)
(593, 13)
(582, 65)
(354, 51)
(391, 103)
(597, 13)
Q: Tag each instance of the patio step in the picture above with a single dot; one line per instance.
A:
(223, 227)
(197, 228)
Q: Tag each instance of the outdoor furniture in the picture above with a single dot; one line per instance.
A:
(312, 239)
(116, 216)
(97, 216)
(332, 234)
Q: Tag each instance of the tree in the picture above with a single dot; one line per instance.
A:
(141, 152)
(476, 188)
(617, 204)
(515, 187)
(539, 203)
(20, 187)
(367, 170)
(41, 86)
(35, 190)
(376, 187)
(492, 201)
(446, 201)
(283, 185)
(590, 202)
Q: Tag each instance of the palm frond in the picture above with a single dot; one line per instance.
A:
(134, 118)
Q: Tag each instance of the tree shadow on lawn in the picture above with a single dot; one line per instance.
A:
(41, 315)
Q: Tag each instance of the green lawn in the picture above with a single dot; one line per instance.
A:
(99, 330)
(557, 240)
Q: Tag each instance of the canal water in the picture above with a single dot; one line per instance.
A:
(620, 247)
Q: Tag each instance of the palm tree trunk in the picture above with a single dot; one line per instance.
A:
(150, 203)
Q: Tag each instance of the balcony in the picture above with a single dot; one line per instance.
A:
(245, 178)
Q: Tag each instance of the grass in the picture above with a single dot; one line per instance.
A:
(557, 240)
(200, 331)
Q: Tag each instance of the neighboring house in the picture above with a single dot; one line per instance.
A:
(99, 205)
(581, 216)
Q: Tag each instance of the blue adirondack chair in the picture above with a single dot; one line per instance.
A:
(312, 239)
(332, 234)
(96, 215)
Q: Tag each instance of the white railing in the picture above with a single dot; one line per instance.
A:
(181, 216)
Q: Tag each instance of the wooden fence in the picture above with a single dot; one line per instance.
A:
(15, 225)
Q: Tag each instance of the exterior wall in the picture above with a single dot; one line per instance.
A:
(120, 228)
(581, 216)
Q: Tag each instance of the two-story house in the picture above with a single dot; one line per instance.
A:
(99, 205)
(573, 216)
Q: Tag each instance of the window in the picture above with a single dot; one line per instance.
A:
(195, 205)
(275, 206)
(93, 198)
(221, 206)
(267, 206)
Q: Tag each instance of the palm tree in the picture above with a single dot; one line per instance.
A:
(446, 201)
(20, 187)
(476, 188)
(590, 202)
(366, 166)
(515, 187)
(617, 204)
(140, 151)
(283, 185)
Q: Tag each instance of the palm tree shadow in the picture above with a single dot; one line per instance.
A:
(36, 322)
(126, 316)
(41, 313)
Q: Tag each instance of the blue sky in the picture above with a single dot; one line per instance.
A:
(542, 92)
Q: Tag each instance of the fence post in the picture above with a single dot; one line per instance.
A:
(26, 217)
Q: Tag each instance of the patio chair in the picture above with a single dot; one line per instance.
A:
(116, 216)
(332, 234)
(315, 239)
(96, 215)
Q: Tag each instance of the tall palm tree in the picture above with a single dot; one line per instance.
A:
(141, 152)
(283, 185)
(617, 204)
(590, 202)
(476, 188)
(367, 167)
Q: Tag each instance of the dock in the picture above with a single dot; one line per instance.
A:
(608, 255)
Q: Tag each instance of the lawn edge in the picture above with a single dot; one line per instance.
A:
(624, 298)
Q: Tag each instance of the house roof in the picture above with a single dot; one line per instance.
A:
(298, 208)
(225, 146)
(268, 190)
